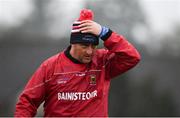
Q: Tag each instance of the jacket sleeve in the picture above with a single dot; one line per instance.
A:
(32, 96)
(121, 55)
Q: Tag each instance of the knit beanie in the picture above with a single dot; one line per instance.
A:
(77, 36)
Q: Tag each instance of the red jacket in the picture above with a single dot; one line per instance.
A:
(71, 89)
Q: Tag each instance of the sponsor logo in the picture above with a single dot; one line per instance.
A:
(62, 80)
(88, 38)
(73, 96)
(80, 74)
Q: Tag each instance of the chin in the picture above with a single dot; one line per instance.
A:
(86, 61)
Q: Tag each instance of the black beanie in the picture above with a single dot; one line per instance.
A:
(77, 36)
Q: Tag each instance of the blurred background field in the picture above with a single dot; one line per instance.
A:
(33, 30)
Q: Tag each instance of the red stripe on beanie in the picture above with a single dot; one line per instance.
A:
(75, 27)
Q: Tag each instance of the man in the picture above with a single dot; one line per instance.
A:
(76, 81)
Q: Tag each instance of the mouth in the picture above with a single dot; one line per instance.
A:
(88, 57)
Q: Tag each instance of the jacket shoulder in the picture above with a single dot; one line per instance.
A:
(100, 53)
(51, 60)
(100, 57)
(49, 65)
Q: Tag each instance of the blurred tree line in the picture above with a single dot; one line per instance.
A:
(150, 89)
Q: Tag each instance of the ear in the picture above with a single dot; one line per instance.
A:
(73, 46)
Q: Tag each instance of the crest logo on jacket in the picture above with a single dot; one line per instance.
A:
(92, 79)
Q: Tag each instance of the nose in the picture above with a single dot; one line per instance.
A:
(89, 50)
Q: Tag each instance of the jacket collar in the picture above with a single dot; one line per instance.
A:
(68, 55)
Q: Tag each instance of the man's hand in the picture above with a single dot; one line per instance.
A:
(89, 26)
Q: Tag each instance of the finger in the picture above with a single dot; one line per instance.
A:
(84, 28)
(87, 31)
(85, 24)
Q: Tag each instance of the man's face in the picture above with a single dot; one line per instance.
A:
(83, 52)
